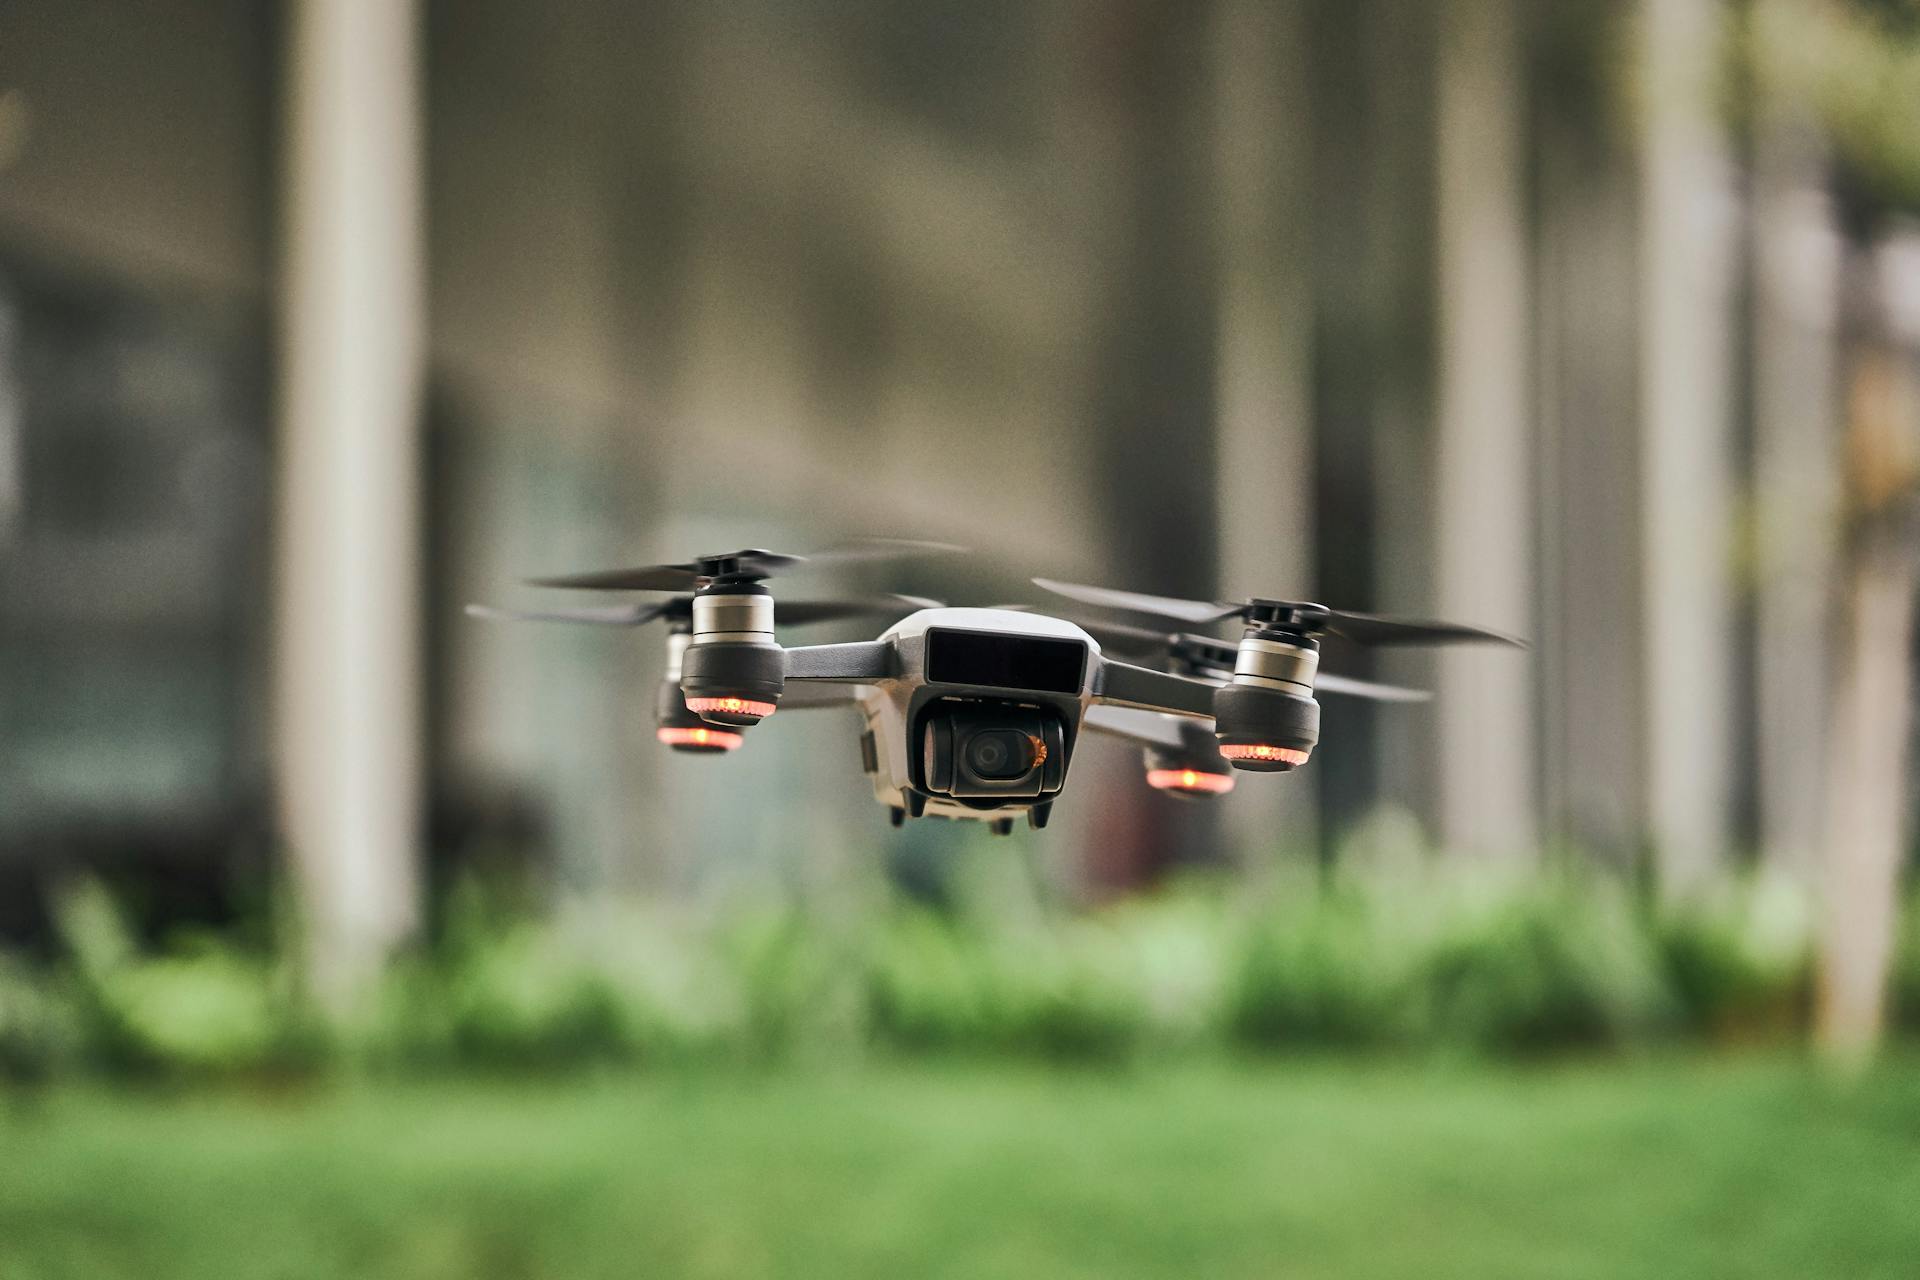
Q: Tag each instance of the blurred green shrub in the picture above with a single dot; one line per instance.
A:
(1417, 957)
(502, 991)
(37, 1031)
(207, 1006)
(1330, 971)
(522, 999)
(1557, 965)
(1906, 969)
(1739, 961)
(939, 984)
(790, 984)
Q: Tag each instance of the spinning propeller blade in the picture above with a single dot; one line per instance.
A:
(749, 565)
(632, 615)
(794, 613)
(1311, 619)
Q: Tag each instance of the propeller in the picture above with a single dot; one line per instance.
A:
(633, 615)
(1309, 619)
(794, 613)
(750, 565)
(1214, 655)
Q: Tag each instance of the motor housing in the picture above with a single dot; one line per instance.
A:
(1266, 717)
(733, 671)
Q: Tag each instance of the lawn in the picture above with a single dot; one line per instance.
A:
(1698, 1168)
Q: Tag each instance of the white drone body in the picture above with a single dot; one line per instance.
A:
(894, 706)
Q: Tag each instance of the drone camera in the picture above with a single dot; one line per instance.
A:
(994, 751)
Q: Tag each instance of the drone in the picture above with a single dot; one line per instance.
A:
(974, 713)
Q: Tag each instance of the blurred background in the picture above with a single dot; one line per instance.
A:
(1594, 322)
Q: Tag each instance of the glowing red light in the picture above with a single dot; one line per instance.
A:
(1215, 784)
(1263, 751)
(675, 736)
(731, 706)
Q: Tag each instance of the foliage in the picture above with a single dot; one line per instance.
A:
(205, 1007)
(935, 984)
(522, 998)
(1559, 965)
(1739, 961)
(1855, 66)
(1490, 964)
(1422, 956)
(36, 1031)
(1332, 971)
(1906, 971)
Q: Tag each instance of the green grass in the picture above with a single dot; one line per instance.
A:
(1696, 1168)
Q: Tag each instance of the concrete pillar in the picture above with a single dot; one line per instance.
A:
(1264, 415)
(12, 438)
(1393, 364)
(1587, 646)
(1484, 503)
(1796, 404)
(346, 638)
(1686, 210)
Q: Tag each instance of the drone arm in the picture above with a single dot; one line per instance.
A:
(863, 662)
(809, 695)
(1121, 684)
(1142, 728)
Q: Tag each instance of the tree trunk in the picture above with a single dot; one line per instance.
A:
(1866, 819)
(1866, 822)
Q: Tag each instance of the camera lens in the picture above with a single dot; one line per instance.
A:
(999, 754)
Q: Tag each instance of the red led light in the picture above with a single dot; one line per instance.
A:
(731, 706)
(1216, 784)
(675, 736)
(1263, 751)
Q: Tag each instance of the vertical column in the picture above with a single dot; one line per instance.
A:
(347, 572)
(12, 444)
(1394, 370)
(1796, 401)
(1587, 647)
(1264, 416)
(1484, 513)
(1685, 277)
